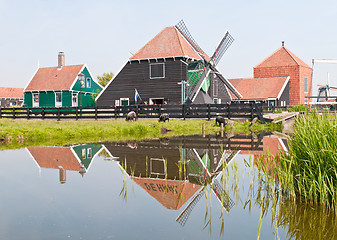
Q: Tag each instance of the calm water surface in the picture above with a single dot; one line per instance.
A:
(158, 189)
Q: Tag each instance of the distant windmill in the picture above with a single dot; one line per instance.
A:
(324, 90)
(203, 69)
(222, 196)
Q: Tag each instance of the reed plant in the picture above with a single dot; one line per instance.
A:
(308, 172)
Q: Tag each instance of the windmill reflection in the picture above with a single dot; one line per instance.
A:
(73, 158)
(177, 170)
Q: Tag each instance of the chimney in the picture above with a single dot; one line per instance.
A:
(61, 60)
(282, 43)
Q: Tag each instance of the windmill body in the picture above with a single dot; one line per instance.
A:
(171, 69)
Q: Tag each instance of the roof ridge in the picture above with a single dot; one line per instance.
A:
(291, 55)
(181, 47)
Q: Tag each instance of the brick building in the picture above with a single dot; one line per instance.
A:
(284, 63)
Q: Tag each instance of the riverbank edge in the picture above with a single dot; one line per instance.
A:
(22, 133)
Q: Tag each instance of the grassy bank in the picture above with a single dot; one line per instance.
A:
(309, 170)
(47, 132)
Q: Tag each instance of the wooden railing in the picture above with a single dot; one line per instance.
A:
(203, 111)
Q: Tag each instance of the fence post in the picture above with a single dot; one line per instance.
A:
(209, 112)
(42, 113)
(115, 112)
(251, 112)
(58, 114)
(183, 111)
(0, 112)
(95, 112)
(76, 113)
(13, 112)
(28, 112)
(159, 110)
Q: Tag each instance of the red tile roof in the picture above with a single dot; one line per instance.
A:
(172, 194)
(54, 157)
(168, 43)
(11, 92)
(51, 78)
(259, 88)
(282, 57)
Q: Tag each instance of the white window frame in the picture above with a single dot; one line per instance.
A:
(117, 103)
(83, 153)
(35, 104)
(89, 153)
(86, 82)
(124, 99)
(58, 103)
(151, 64)
(72, 99)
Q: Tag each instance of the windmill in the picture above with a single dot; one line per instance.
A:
(324, 90)
(217, 189)
(201, 70)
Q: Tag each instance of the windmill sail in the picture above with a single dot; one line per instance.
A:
(224, 44)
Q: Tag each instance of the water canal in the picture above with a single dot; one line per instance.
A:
(176, 188)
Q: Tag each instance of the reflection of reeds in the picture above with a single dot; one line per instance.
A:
(124, 192)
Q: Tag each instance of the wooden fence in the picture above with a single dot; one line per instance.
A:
(202, 111)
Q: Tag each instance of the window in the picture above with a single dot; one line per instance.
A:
(89, 153)
(306, 85)
(116, 102)
(215, 100)
(35, 99)
(215, 87)
(124, 101)
(88, 82)
(157, 70)
(58, 99)
(305, 101)
(83, 153)
(74, 100)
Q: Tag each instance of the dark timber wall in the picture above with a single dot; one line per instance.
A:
(136, 74)
(285, 96)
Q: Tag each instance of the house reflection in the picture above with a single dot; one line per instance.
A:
(176, 170)
(73, 158)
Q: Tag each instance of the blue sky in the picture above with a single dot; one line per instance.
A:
(102, 33)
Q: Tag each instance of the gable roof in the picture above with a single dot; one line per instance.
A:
(169, 42)
(54, 157)
(282, 57)
(260, 88)
(172, 194)
(11, 92)
(52, 78)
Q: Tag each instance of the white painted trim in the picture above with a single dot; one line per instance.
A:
(283, 87)
(108, 84)
(282, 145)
(55, 92)
(31, 79)
(92, 77)
(34, 160)
(74, 81)
(33, 99)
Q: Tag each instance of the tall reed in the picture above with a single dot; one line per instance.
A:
(309, 169)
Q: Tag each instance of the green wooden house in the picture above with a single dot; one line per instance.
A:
(61, 86)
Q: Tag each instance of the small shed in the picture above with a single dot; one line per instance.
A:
(11, 97)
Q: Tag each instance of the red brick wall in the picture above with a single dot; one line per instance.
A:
(296, 85)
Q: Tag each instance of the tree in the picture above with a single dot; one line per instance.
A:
(105, 78)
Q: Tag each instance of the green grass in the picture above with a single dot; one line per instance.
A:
(309, 170)
(23, 132)
(298, 108)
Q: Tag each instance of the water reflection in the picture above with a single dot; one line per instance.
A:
(211, 181)
(73, 158)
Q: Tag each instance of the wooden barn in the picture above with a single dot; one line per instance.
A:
(11, 97)
(281, 79)
(62, 86)
(170, 69)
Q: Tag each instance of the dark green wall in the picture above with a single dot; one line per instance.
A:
(28, 99)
